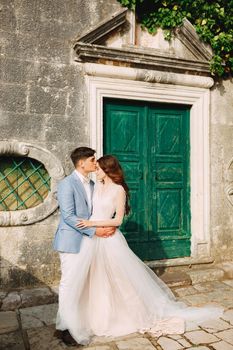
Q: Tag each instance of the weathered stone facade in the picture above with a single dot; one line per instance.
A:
(44, 101)
(221, 174)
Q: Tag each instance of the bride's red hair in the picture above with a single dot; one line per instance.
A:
(111, 166)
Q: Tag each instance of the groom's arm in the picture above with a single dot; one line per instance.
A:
(65, 197)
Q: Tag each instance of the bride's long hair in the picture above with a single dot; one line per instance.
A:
(111, 166)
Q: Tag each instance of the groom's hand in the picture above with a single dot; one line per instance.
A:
(105, 231)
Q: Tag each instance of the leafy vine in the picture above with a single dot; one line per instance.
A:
(212, 19)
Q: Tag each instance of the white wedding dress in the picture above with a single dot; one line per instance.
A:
(114, 293)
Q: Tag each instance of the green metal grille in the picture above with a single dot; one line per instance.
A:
(24, 183)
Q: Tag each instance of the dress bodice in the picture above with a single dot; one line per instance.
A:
(104, 201)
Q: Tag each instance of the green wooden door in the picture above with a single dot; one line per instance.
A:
(152, 143)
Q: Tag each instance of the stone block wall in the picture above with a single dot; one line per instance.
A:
(41, 102)
(221, 154)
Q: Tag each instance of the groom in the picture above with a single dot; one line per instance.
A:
(75, 201)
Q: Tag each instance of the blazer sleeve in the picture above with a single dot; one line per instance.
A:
(65, 195)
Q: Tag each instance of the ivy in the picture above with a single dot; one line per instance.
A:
(212, 19)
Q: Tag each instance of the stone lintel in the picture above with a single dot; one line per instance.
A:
(139, 58)
(147, 75)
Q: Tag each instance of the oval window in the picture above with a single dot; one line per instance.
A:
(24, 183)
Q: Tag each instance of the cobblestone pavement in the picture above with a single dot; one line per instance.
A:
(33, 327)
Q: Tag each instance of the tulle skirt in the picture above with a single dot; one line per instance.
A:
(106, 290)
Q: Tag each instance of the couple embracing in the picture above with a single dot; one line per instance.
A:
(105, 289)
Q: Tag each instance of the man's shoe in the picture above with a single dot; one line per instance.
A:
(66, 337)
(58, 334)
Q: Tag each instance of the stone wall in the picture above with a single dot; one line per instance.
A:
(41, 102)
(221, 153)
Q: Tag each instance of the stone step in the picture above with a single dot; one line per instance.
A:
(227, 267)
(184, 277)
(206, 275)
(27, 297)
(176, 279)
(175, 276)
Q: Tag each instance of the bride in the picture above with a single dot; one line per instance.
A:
(119, 294)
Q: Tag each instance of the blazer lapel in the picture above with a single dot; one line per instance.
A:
(92, 184)
(79, 186)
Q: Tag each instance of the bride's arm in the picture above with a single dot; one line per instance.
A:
(116, 221)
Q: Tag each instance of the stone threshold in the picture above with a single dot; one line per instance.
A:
(181, 273)
(187, 261)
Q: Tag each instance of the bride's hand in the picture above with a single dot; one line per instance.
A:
(84, 223)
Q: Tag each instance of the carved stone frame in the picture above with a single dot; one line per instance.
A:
(56, 172)
(229, 186)
(154, 86)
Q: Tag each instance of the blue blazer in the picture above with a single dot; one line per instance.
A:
(73, 204)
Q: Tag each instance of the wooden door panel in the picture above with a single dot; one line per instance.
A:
(123, 125)
(168, 210)
(123, 140)
(169, 183)
(169, 172)
(168, 134)
(152, 144)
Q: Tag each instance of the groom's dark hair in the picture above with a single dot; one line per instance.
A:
(81, 153)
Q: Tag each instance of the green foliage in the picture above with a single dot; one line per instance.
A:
(212, 19)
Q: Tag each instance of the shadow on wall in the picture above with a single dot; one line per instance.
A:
(17, 292)
(219, 85)
(138, 245)
(38, 264)
(14, 277)
(27, 257)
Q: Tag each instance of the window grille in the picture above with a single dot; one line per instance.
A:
(24, 183)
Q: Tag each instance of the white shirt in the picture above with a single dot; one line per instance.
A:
(86, 184)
